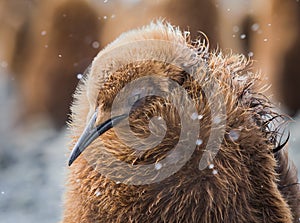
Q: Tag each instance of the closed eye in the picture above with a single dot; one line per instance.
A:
(134, 99)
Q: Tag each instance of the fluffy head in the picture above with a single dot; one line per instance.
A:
(114, 180)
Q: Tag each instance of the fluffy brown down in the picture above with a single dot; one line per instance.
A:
(251, 184)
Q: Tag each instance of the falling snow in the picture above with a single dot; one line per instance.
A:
(234, 134)
(79, 76)
(95, 44)
(199, 142)
(6, 193)
(200, 117)
(97, 193)
(250, 54)
(44, 32)
(59, 55)
(105, 17)
(194, 116)
(158, 166)
(243, 36)
(236, 29)
(4, 64)
(216, 120)
(255, 27)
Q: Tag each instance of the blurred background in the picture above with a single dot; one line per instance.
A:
(45, 47)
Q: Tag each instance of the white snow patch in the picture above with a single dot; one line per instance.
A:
(234, 134)
(158, 166)
(194, 116)
(79, 76)
(97, 193)
(211, 166)
(43, 33)
(4, 64)
(235, 29)
(217, 120)
(200, 117)
(95, 44)
(199, 142)
(255, 27)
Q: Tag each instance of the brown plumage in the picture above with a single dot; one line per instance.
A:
(110, 182)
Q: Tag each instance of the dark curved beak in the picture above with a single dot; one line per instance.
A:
(91, 132)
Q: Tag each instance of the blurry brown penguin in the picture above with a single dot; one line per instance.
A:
(192, 15)
(62, 39)
(271, 35)
(249, 180)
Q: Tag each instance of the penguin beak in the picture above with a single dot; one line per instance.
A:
(91, 132)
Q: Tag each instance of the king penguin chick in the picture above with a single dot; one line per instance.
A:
(165, 131)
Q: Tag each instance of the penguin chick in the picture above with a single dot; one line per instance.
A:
(165, 131)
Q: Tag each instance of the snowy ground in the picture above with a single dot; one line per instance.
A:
(33, 164)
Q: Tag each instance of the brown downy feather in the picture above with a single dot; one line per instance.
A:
(245, 182)
(288, 182)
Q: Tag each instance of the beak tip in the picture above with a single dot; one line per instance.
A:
(70, 162)
(74, 154)
(90, 134)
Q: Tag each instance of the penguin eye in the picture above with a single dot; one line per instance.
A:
(134, 99)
